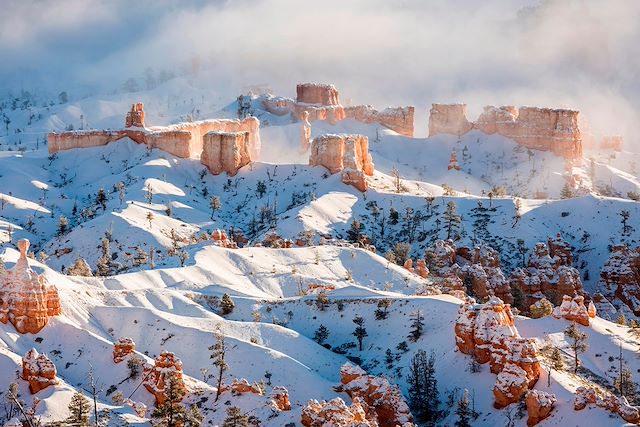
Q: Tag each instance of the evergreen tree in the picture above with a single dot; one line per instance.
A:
(150, 218)
(451, 219)
(423, 387)
(625, 385)
(103, 265)
(235, 418)
(215, 205)
(79, 268)
(354, 234)
(63, 225)
(227, 305)
(360, 332)
(140, 258)
(577, 343)
(566, 192)
(101, 199)
(218, 355)
(172, 413)
(79, 408)
(463, 411)
(417, 326)
(556, 359)
(321, 334)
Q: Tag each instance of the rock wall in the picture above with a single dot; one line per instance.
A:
(547, 129)
(156, 376)
(225, 152)
(27, 300)
(38, 370)
(620, 277)
(399, 119)
(314, 93)
(384, 398)
(344, 153)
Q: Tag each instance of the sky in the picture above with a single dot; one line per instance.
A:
(581, 54)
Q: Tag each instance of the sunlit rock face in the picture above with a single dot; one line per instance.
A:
(345, 153)
(157, 376)
(448, 119)
(399, 119)
(539, 405)
(336, 413)
(315, 93)
(574, 310)
(225, 152)
(608, 401)
(546, 129)
(382, 397)
(620, 277)
(280, 398)
(612, 142)
(27, 300)
(38, 370)
(135, 117)
(123, 348)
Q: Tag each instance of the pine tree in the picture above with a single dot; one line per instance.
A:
(451, 219)
(625, 385)
(360, 332)
(227, 305)
(235, 418)
(140, 258)
(566, 192)
(556, 359)
(121, 188)
(149, 193)
(215, 205)
(621, 320)
(354, 234)
(183, 256)
(150, 218)
(103, 265)
(101, 199)
(417, 326)
(79, 408)
(578, 343)
(218, 355)
(172, 413)
(463, 411)
(80, 268)
(63, 225)
(321, 334)
(423, 386)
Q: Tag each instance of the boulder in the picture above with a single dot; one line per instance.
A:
(448, 119)
(157, 376)
(27, 299)
(381, 396)
(539, 406)
(122, 348)
(38, 370)
(225, 152)
(346, 153)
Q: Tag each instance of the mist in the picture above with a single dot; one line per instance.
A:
(580, 54)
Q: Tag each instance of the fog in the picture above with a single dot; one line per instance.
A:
(581, 54)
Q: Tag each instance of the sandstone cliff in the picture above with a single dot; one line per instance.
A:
(314, 93)
(225, 152)
(157, 376)
(344, 153)
(122, 348)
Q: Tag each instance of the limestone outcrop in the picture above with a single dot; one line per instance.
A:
(27, 299)
(487, 332)
(384, 398)
(38, 370)
(448, 119)
(547, 129)
(225, 152)
(122, 348)
(135, 117)
(346, 153)
(315, 93)
(539, 406)
(157, 376)
(620, 277)
(336, 413)
(613, 404)
(549, 274)
(573, 309)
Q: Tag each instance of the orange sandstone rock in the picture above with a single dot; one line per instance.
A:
(225, 152)
(336, 413)
(612, 142)
(384, 398)
(421, 268)
(38, 370)
(314, 93)
(453, 161)
(122, 348)
(398, 119)
(448, 119)
(157, 376)
(241, 386)
(135, 117)
(280, 398)
(613, 404)
(539, 406)
(27, 300)
(620, 277)
(344, 153)
(573, 309)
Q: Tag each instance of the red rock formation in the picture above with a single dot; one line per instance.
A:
(122, 348)
(314, 93)
(614, 404)
(225, 152)
(139, 407)
(398, 119)
(485, 275)
(448, 119)
(280, 398)
(561, 250)
(135, 117)
(241, 386)
(305, 133)
(453, 161)
(620, 277)
(156, 377)
(591, 310)
(408, 265)
(38, 370)
(421, 268)
(573, 309)
(344, 153)
(27, 300)
(613, 142)
(441, 255)
(384, 398)
(539, 406)
(220, 238)
(337, 413)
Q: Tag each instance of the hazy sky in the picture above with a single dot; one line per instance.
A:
(583, 54)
